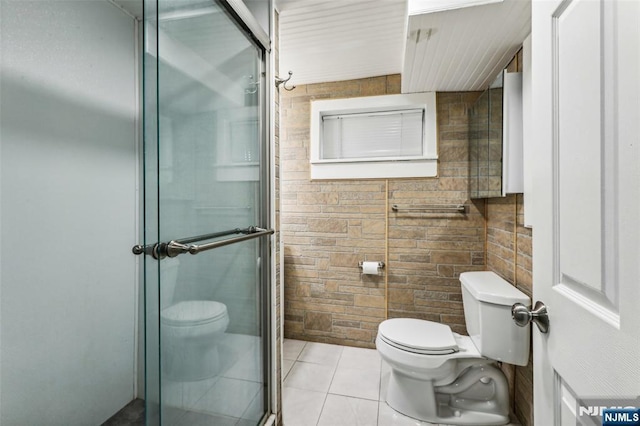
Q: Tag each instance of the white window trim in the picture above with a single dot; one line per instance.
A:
(376, 168)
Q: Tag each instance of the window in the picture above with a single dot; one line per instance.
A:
(386, 134)
(374, 137)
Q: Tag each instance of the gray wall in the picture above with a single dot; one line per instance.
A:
(67, 212)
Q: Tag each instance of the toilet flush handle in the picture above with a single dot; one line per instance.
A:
(522, 316)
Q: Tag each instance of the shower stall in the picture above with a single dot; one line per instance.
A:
(135, 211)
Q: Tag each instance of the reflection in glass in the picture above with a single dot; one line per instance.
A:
(207, 174)
(485, 143)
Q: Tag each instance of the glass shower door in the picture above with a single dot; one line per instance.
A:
(206, 217)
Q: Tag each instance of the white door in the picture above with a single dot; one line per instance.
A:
(586, 256)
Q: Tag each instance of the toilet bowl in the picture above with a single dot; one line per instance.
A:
(190, 331)
(443, 377)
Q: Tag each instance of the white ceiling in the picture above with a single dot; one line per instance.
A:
(133, 7)
(462, 45)
(332, 40)
(463, 49)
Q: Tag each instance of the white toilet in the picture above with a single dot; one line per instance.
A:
(443, 377)
(190, 331)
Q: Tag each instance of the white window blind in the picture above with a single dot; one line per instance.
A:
(389, 134)
(373, 137)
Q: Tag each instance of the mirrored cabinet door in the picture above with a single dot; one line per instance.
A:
(495, 139)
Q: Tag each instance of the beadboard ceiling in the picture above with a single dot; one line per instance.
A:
(454, 48)
(463, 49)
(437, 45)
(332, 40)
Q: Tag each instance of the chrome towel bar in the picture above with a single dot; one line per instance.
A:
(435, 208)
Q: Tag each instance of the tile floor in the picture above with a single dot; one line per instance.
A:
(331, 385)
(234, 397)
(130, 415)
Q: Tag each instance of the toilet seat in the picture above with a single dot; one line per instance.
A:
(193, 312)
(418, 336)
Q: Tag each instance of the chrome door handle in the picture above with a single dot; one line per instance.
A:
(522, 316)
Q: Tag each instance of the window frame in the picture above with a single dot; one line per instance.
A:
(375, 167)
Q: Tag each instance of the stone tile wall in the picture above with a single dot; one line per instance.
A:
(329, 226)
(277, 236)
(509, 255)
(427, 251)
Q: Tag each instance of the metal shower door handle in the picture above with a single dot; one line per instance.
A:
(176, 247)
(522, 316)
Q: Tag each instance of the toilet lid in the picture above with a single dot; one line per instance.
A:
(419, 336)
(193, 312)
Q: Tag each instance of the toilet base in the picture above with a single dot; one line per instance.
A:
(190, 362)
(464, 402)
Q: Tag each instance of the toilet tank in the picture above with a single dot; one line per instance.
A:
(487, 301)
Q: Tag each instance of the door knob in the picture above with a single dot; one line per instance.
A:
(522, 316)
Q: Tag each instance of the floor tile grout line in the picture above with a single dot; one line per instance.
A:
(379, 395)
(242, 417)
(353, 397)
(329, 388)
(287, 375)
(193, 408)
(301, 350)
(326, 395)
(205, 393)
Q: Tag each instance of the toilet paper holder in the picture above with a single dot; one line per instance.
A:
(380, 266)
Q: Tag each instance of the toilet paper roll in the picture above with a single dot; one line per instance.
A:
(370, 268)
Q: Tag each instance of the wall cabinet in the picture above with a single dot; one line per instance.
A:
(495, 139)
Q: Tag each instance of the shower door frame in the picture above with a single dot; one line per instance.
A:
(252, 29)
